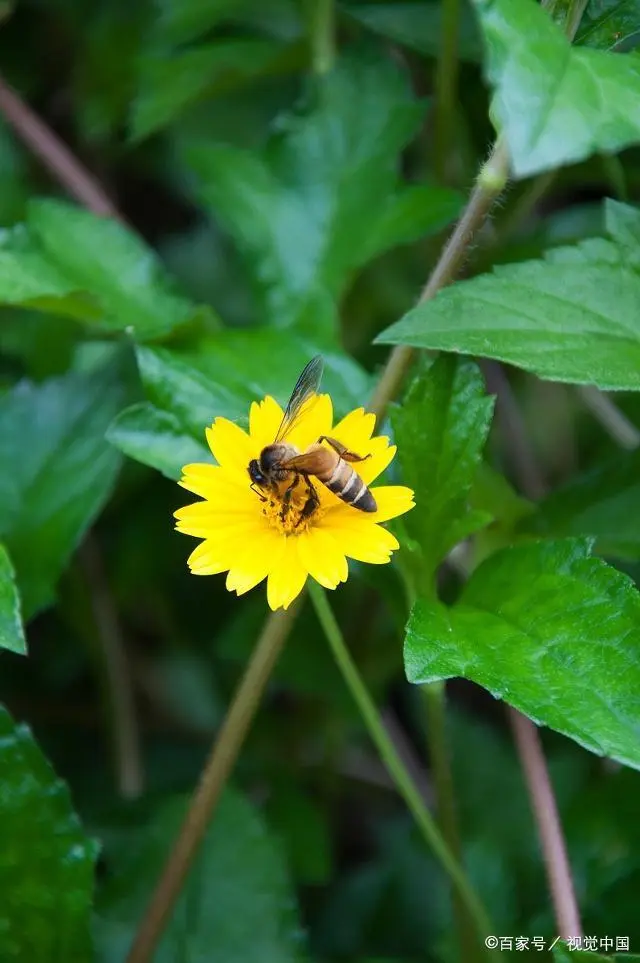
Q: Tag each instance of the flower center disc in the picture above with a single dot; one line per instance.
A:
(288, 519)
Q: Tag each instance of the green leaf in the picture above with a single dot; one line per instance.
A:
(105, 67)
(11, 630)
(236, 904)
(418, 25)
(411, 214)
(441, 428)
(182, 20)
(304, 210)
(601, 503)
(46, 861)
(171, 81)
(550, 630)
(554, 103)
(123, 276)
(59, 471)
(572, 316)
(220, 376)
(156, 438)
(610, 25)
(302, 825)
(27, 275)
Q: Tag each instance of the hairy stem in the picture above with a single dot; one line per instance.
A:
(446, 85)
(397, 770)
(490, 183)
(212, 780)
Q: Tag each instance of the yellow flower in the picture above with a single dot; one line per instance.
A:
(251, 538)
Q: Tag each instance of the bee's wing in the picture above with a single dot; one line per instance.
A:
(311, 462)
(306, 387)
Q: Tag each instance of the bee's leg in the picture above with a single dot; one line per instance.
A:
(342, 450)
(263, 498)
(311, 503)
(286, 497)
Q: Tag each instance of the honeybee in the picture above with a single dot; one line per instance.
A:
(332, 465)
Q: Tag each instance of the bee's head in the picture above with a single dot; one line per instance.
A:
(255, 473)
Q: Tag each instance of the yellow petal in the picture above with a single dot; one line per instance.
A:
(203, 521)
(315, 420)
(287, 576)
(209, 558)
(254, 562)
(322, 557)
(264, 420)
(355, 430)
(365, 541)
(392, 500)
(231, 447)
(382, 454)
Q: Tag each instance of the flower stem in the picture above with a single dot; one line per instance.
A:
(214, 776)
(490, 183)
(397, 770)
(446, 89)
(434, 696)
(322, 35)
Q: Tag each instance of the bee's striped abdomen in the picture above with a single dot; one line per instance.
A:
(345, 482)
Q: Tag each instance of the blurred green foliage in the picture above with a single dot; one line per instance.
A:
(271, 209)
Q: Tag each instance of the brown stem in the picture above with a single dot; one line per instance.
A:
(547, 817)
(119, 692)
(614, 421)
(526, 736)
(489, 186)
(55, 156)
(214, 776)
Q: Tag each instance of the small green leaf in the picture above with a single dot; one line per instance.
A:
(323, 196)
(572, 316)
(46, 861)
(236, 905)
(551, 631)
(123, 276)
(171, 81)
(156, 438)
(11, 630)
(554, 103)
(601, 503)
(441, 428)
(418, 26)
(220, 377)
(59, 472)
(610, 25)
